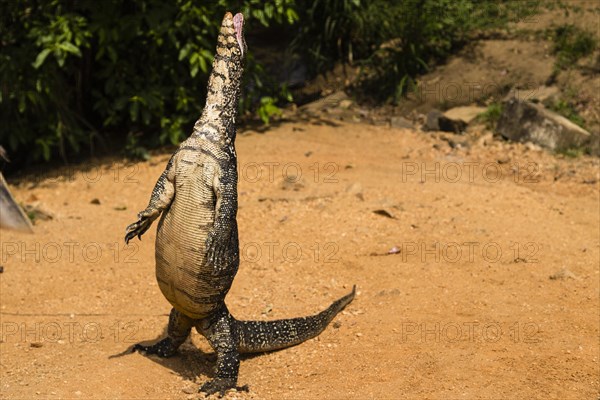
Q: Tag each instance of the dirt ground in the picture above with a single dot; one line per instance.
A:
(477, 269)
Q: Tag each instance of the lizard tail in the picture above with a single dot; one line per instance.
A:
(261, 336)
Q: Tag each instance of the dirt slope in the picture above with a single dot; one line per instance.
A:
(494, 292)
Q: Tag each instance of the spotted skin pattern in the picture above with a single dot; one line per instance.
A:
(197, 249)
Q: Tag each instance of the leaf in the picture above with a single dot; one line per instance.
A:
(133, 111)
(45, 148)
(70, 48)
(291, 16)
(185, 50)
(203, 65)
(41, 57)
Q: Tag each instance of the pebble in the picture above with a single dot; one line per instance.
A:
(189, 390)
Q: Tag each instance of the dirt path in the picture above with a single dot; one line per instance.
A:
(494, 292)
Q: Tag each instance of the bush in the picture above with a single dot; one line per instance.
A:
(78, 74)
(491, 115)
(395, 41)
(570, 44)
(131, 74)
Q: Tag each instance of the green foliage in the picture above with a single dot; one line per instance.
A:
(572, 152)
(75, 74)
(571, 43)
(333, 30)
(395, 41)
(133, 148)
(567, 110)
(268, 109)
(132, 73)
(491, 116)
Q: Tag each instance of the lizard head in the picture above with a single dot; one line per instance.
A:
(231, 45)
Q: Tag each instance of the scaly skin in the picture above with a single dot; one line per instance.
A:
(197, 249)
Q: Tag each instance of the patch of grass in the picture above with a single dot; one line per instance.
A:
(491, 116)
(567, 110)
(572, 152)
(570, 44)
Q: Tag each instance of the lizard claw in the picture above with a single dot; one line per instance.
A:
(219, 386)
(163, 348)
(138, 228)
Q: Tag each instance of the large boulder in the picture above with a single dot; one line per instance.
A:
(524, 121)
(437, 121)
(464, 113)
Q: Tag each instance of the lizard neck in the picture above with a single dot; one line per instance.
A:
(217, 122)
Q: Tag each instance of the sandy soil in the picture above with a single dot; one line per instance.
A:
(493, 290)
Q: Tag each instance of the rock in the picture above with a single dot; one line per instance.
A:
(466, 114)
(384, 213)
(346, 103)
(3, 155)
(437, 121)
(356, 189)
(564, 273)
(524, 121)
(485, 140)
(594, 144)
(401, 123)
(37, 212)
(95, 201)
(189, 390)
(542, 94)
(331, 101)
(292, 183)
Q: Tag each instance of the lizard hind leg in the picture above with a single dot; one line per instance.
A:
(178, 331)
(220, 331)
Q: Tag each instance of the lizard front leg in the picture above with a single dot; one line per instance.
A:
(218, 242)
(160, 199)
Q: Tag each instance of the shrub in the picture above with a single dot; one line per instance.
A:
(571, 43)
(78, 74)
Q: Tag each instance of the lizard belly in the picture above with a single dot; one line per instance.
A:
(184, 276)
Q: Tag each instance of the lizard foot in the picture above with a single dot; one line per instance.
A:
(163, 348)
(138, 228)
(220, 386)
